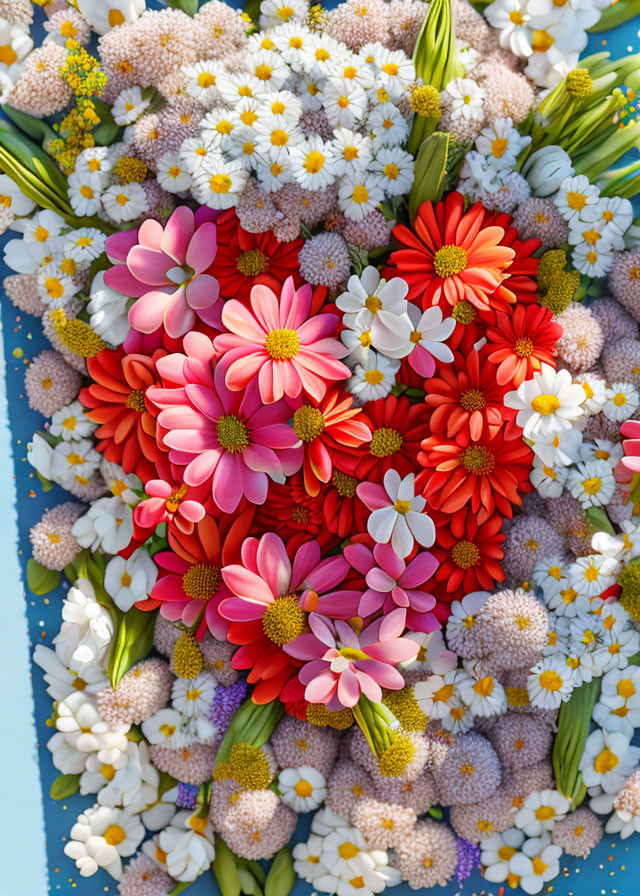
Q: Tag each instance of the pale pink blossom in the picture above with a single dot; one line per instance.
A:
(275, 342)
(168, 502)
(168, 270)
(340, 665)
(391, 583)
(228, 439)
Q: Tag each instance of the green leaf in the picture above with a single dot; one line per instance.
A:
(132, 643)
(34, 127)
(598, 517)
(250, 886)
(166, 783)
(108, 131)
(180, 887)
(46, 484)
(188, 6)
(64, 786)
(281, 877)
(225, 869)
(257, 870)
(430, 170)
(40, 579)
(616, 15)
(574, 722)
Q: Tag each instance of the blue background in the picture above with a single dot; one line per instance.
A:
(613, 868)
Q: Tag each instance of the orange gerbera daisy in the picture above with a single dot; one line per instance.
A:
(452, 255)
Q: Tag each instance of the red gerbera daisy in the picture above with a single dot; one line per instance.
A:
(342, 510)
(452, 255)
(116, 401)
(190, 587)
(295, 515)
(329, 433)
(397, 428)
(521, 342)
(244, 259)
(468, 554)
(466, 400)
(523, 270)
(485, 477)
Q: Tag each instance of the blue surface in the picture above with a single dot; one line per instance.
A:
(612, 870)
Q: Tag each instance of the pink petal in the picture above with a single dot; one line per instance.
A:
(373, 496)
(273, 563)
(178, 232)
(348, 688)
(147, 313)
(149, 266)
(202, 248)
(118, 244)
(246, 584)
(202, 292)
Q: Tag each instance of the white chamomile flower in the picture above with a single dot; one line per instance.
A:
(87, 628)
(501, 143)
(283, 106)
(193, 696)
(436, 696)
(394, 167)
(280, 12)
(165, 728)
(201, 81)
(603, 449)
(306, 859)
(595, 389)
(497, 852)
(188, 845)
(574, 195)
(85, 192)
(171, 174)
(129, 106)
(95, 160)
(124, 202)
(537, 862)
(63, 681)
(293, 41)
(359, 194)
(321, 52)
(13, 199)
(84, 245)
(100, 837)
(53, 285)
(615, 649)
(430, 332)
(559, 449)
(123, 485)
(354, 68)
(550, 683)
(313, 163)
(79, 720)
(395, 71)
(194, 151)
(74, 462)
(547, 403)
(97, 775)
(304, 788)
(219, 183)
(592, 483)
(388, 126)
(622, 402)
(308, 88)
(465, 98)
(345, 102)
(353, 151)
(233, 86)
(593, 260)
(71, 423)
(108, 524)
(270, 70)
(217, 128)
(592, 574)
(484, 696)
(373, 379)
(607, 760)
(130, 580)
(547, 480)
(377, 307)
(540, 811)
(511, 18)
(109, 311)
(463, 618)
(616, 216)
(273, 169)
(273, 132)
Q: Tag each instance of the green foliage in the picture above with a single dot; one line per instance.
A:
(430, 171)
(574, 722)
(281, 877)
(133, 641)
(64, 786)
(40, 579)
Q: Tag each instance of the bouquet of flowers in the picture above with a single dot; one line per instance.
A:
(344, 387)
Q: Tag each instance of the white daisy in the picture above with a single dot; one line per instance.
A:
(345, 102)
(129, 106)
(497, 852)
(592, 483)
(547, 480)
(592, 574)
(100, 837)
(484, 696)
(201, 81)
(195, 150)
(574, 195)
(359, 194)
(107, 524)
(293, 41)
(622, 402)
(304, 788)
(550, 683)
(280, 12)
(13, 199)
(218, 183)
(536, 863)
(124, 202)
(193, 697)
(401, 521)
(394, 167)
(594, 261)
(388, 126)
(353, 151)
(269, 69)
(273, 170)
(130, 580)
(501, 144)
(465, 98)
(284, 106)
(373, 379)
(540, 811)
(379, 307)
(171, 175)
(306, 859)
(547, 403)
(217, 128)
(166, 729)
(74, 461)
(313, 163)
(607, 760)
(95, 160)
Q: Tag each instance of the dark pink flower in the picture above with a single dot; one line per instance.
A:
(168, 270)
(168, 502)
(340, 665)
(391, 583)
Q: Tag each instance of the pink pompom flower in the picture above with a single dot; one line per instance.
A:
(391, 583)
(168, 270)
(228, 439)
(276, 342)
(340, 665)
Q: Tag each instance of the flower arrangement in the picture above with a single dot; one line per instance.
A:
(343, 385)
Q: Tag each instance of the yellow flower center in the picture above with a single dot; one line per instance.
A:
(308, 423)
(374, 377)
(605, 761)
(201, 582)
(282, 344)
(402, 507)
(206, 79)
(220, 183)
(314, 162)
(344, 484)
(449, 260)
(360, 194)
(479, 460)
(545, 404)
(465, 554)
(550, 680)
(232, 433)
(303, 788)
(385, 442)
(114, 835)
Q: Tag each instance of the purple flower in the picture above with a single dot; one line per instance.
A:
(226, 702)
(468, 859)
(187, 795)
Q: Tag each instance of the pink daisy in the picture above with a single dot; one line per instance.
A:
(340, 666)
(392, 583)
(276, 342)
(229, 439)
(168, 502)
(168, 270)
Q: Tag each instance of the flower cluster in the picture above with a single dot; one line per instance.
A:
(336, 386)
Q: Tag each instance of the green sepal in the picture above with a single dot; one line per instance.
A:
(430, 171)
(40, 579)
(132, 643)
(597, 516)
(64, 786)
(225, 869)
(46, 484)
(281, 877)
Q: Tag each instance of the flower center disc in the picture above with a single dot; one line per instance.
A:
(465, 554)
(385, 442)
(344, 484)
(252, 263)
(523, 347)
(282, 344)
(308, 423)
(135, 401)
(479, 460)
(449, 260)
(284, 619)
(472, 400)
(201, 582)
(232, 434)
